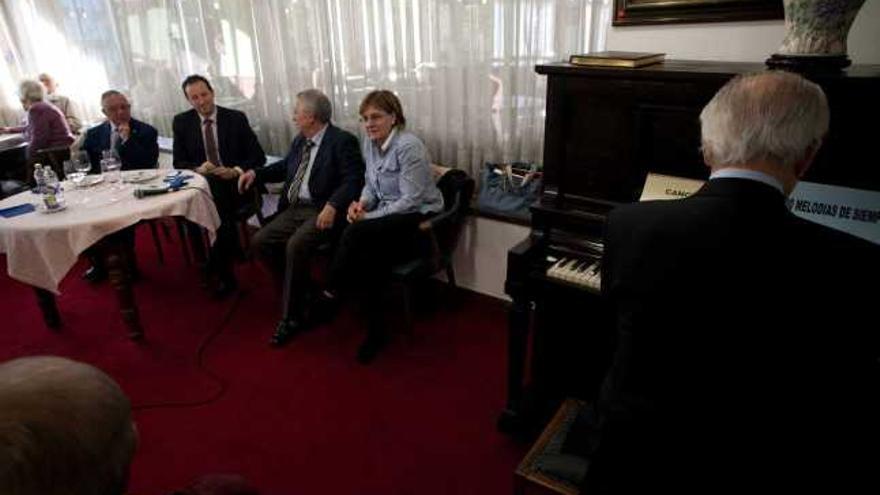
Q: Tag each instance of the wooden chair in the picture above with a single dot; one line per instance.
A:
(545, 469)
(442, 233)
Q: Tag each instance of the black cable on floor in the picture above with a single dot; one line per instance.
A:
(219, 381)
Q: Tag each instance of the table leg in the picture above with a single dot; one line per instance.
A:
(119, 271)
(46, 302)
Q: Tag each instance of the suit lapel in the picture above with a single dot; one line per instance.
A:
(223, 132)
(323, 151)
(105, 136)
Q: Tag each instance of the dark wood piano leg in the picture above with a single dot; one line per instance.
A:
(46, 302)
(119, 268)
(511, 420)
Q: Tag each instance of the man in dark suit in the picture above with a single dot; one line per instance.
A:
(135, 142)
(323, 173)
(744, 357)
(218, 143)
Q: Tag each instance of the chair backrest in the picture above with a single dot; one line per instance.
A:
(457, 189)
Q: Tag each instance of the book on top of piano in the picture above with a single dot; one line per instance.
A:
(659, 186)
(616, 59)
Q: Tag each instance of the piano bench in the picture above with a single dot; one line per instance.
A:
(545, 469)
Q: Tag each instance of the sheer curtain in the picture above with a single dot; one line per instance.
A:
(464, 69)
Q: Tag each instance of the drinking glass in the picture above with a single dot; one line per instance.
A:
(72, 173)
(110, 165)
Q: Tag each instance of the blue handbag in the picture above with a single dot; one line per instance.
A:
(509, 189)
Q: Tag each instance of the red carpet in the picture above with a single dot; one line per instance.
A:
(306, 419)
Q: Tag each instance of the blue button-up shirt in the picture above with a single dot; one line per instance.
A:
(399, 178)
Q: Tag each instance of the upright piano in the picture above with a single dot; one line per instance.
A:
(606, 129)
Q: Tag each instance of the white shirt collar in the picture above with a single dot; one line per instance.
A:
(213, 116)
(387, 143)
(741, 173)
(316, 139)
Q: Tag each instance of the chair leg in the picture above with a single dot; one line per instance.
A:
(184, 242)
(450, 276)
(245, 235)
(407, 309)
(157, 242)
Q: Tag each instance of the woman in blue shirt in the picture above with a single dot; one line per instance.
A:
(398, 195)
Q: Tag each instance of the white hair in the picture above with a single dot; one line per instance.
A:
(316, 103)
(31, 91)
(65, 427)
(775, 117)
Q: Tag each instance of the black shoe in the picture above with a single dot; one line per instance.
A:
(95, 274)
(225, 289)
(323, 309)
(370, 348)
(285, 331)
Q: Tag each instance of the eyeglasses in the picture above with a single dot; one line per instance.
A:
(374, 117)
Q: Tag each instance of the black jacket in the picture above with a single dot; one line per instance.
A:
(746, 350)
(337, 175)
(141, 150)
(237, 143)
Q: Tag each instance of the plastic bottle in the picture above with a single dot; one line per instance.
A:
(39, 178)
(52, 194)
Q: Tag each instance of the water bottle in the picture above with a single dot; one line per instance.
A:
(53, 195)
(39, 178)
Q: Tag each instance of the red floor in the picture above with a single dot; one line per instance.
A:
(306, 419)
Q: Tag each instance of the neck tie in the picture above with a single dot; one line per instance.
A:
(114, 140)
(210, 143)
(293, 192)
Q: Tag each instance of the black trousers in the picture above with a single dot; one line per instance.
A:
(366, 254)
(287, 245)
(226, 247)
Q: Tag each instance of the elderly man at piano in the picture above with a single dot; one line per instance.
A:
(745, 356)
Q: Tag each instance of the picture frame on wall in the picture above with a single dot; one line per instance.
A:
(639, 12)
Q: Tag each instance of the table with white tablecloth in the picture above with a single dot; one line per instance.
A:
(41, 246)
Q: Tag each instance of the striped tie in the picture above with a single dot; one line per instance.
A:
(293, 192)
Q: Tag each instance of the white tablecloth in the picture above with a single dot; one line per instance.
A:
(42, 247)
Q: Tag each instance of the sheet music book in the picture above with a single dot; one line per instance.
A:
(616, 59)
(659, 186)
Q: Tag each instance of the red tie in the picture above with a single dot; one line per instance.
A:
(210, 143)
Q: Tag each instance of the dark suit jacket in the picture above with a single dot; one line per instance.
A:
(746, 351)
(141, 150)
(337, 175)
(236, 141)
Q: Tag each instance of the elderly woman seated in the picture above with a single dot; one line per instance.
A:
(46, 127)
(398, 195)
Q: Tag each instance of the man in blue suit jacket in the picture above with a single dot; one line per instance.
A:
(323, 173)
(136, 142)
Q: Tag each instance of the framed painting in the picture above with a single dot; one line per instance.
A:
(636, 12)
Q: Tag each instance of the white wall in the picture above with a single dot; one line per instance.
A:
(740, 41)
(481, 260)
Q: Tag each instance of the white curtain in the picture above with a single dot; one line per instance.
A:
(464, 69)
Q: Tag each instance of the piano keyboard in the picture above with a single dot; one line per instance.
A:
(584, 273)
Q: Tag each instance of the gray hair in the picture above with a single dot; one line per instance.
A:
(31, 91)
(772, 116)
(65, 427)
(316, 103)
(109, 93)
